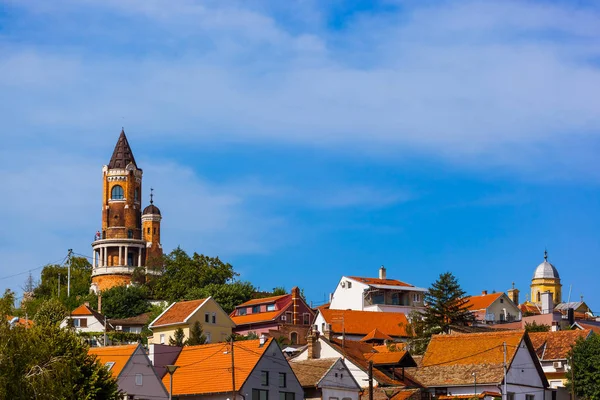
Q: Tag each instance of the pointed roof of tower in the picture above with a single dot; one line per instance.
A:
(122, 155)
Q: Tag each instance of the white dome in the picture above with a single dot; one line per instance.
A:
(546, 270)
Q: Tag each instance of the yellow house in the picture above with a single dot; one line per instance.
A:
(216, 324)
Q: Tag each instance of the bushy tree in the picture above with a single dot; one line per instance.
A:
(51, 312)
(196, 335)
(125, 301)
(279, 290)
(446, 305)
(228, 295)
(535, 327)
(584, 377)
(178, 338)
(419, 334)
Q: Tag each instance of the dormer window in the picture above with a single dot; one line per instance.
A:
(117, 193)
(242, 311)
(270, 307)
(255, 309)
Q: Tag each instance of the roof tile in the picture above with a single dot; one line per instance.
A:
(364, 322)
(482, 302)
(377, 281)
(119, 355)
(178, 312)
(555, 345)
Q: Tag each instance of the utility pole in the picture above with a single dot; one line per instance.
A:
(105, 332)
(370, 380)
(70, 256)
(504, 393)
(232, 372)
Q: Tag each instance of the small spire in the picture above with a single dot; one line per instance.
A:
(545, 254)
(151, 195)
(513, 285)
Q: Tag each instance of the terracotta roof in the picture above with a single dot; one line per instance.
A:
(452, 359)
(529, 308)
(391, 358)
(256, 318)
(481, 395)
(392, 393)
(383, 348)
(556, 345)
(122, 154)
(141, 319)
(310, 372)
(178, 312)
(204, 369)
(86, 310)
(375, 334)
(364, 322)
(594, 328)
(263, 300)
(21, 321)
(119, 355)
(482, 302)
(377, 281)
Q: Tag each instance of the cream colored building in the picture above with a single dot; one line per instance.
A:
(215, 322)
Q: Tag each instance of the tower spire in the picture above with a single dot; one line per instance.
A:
(151, 195)
(122, 154)
(545, 254)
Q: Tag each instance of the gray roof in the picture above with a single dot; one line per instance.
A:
(546, 270)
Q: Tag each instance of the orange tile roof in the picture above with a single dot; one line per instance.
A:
(82, 310)
(178, 312)
(363, 322)
(375, 334)
(206, 369)
(398, 346)
(388, 358)
(22, 322)
(377, 281)
(264, 300)
(529, 308)
(117, 354)
(482, 302)
(311, 372)
(556, 345)
(594, 328)
(256, 318)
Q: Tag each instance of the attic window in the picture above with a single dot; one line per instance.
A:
(109, 365)
(271, 307)
(501, 300)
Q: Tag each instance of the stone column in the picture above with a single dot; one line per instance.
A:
(139, 256)
(126, 255)
(120, 258)
(94, 259)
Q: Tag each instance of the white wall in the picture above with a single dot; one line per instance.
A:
(523, 370)
(93, 325)
(459, 390)
(348, 298)
(340, 394)
(338, 382)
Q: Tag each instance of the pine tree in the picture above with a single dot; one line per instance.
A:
(446, 305)
(178, 338)
(584, 376)
(196, 335)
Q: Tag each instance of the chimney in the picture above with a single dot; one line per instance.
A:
(382, 272)
(571, 316)
(483, 292)
(296, 305)
(547, 304)
(313, 338)
(100, 302)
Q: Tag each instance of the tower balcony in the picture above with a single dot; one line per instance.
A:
(119, 256)
(121, 270)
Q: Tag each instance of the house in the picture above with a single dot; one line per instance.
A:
(362, 325)
(552, 349)
(493, 308)
(388, 366)
(473, 364)
(216, 324)
(376, 294)
(16, 321)
(261, 372)
(86, 319)
(133, 370)
(286, 315)
(132, 324)
(326, 378)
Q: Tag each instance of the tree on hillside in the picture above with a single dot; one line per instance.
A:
(584, 359)
(196, 335)
(279, 290)
(45, 361)
(125, 301)
(182, 272)
(446, 305)
(535, 327)
(178, 338)
(51, 312)
(228, 295)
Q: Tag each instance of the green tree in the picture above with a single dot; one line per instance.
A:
(446, 305)
(279, 290)
(584, 359)
(52, 312)
(7, 303)
(46, 362)
(535, 327)
(178, 338)
(125, 301)
(228, 295)
(196, 335)
(419, 333)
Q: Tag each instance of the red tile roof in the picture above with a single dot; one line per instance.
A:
(256, 318)
(178, 312)
(81, 310)
(376, 334)
(482, 302)
(119, 355)
(311, 372)
(387, 358)
(556, 345)
(22, 322)
(206, 369)
(264, 300)
(377, 281)
(364, 322)
(594, 328)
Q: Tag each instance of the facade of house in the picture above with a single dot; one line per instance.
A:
(376, 294)
(361, 325)
(287, 315)
(325, 379)
(133, 370)
(131, 325)
(473, 364)
(216, 324)
(86, 319)
(552, 349)
(389, 367)
(261, 372)
(493, 308)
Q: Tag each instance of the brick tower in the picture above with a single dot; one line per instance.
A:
(128, 239)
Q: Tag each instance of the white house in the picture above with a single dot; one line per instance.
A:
(326, 378)
(376, 294)
(86, 319)
(493, 308)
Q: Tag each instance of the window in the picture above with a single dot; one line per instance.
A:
(255, 309)
(378, 298)
(139, 379)
(136, 194)
(80, 322)
(129, 234)
(148, 230)
(395, 299)
(293, 338)
(206, 318)
(282, 380)
(349, 285)
(530, 397)
(116, 193)
(258, 394)
(264, 378)
(511, 395)
(242, 311)
(286, 396)
(306, 318)
(270, 307)
(214, 318)
(162, 338)
(501, 300)
(416, 297)
(111, 364)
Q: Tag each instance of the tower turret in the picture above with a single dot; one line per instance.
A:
(151, 233)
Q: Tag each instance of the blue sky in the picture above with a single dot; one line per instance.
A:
(305, 140)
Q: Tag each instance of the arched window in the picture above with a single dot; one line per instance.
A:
(117, 193)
